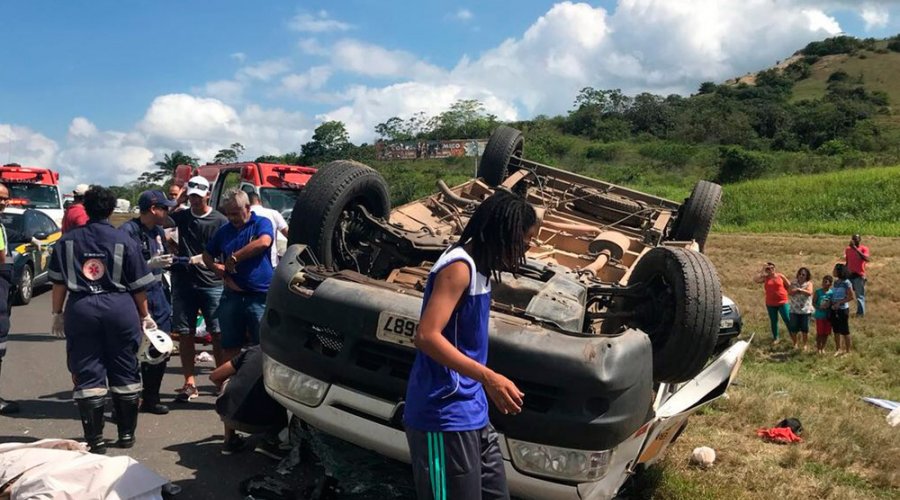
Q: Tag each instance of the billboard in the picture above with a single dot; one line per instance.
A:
(412, 150)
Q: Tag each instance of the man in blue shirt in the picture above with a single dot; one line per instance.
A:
(239, 254)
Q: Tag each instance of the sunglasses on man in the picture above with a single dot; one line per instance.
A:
(197, 185)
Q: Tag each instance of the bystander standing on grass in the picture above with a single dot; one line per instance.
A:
(822, 303)
(776, 286)
(841, 296)
(800, 292)
(856, 256)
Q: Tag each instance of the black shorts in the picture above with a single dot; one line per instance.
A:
(840, 321)
(457, 465)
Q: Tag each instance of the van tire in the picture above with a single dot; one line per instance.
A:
(696, 214)
(330, 196)
(681, 311)
(505, 143)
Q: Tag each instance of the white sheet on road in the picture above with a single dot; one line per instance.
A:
(62, 469)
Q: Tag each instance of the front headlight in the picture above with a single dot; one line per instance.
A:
(289, 382)
(559, 463)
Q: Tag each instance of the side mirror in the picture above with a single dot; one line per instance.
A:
(41, 235)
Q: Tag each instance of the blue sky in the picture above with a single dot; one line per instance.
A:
(100, 90)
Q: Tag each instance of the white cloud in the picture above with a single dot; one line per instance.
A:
(106, 157)
(875, 16)
(820, 21)
(239, 56)
(82, 127)
(185, 117)
(201, 126)
(317, 23)
(312, 79)
(311, 46)
(463, 15)
(25, 146)
(225, 90)
(265, 70)
(372, 60)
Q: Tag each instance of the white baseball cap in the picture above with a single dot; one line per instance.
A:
(80, 189)
(198, 185)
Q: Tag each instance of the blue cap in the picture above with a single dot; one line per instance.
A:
(150, 198)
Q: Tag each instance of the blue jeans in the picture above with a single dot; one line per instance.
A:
(859, 288)
(240, 314)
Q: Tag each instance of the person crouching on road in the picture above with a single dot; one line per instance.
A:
(148, 233)
(239, 254)
(244, 405)
(102, 271)
(454, 450)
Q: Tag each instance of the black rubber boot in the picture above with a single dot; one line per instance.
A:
(7, 407)
(91, 410)
(152, 376)
(126, 406)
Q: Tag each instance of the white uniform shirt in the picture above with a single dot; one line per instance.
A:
(278, 223)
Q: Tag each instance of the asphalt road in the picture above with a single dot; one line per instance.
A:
(183, 446)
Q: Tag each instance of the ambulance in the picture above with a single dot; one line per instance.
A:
(34, 187)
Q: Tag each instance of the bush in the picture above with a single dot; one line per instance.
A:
(894, 45)
(668, 153)
(604, 152)
(835, 45)
(834, 147)
(838, 76)
(737, 164)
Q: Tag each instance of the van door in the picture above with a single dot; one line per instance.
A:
(677, 402)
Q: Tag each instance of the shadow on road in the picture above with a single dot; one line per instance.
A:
(58, 406)
(17, 439)
(215, 475)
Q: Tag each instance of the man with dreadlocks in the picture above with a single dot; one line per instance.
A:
(454, 449)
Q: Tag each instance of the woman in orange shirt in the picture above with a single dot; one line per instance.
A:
(776, 285)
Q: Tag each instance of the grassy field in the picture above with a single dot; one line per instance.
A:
(863, 201)
(849, 451)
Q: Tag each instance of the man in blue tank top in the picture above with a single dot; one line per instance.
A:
(455, 452)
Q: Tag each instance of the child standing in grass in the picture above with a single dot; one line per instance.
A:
(776, 286)
(801, 291)
(822, 303)
(841, 296)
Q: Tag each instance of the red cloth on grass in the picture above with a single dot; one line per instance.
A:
(783, 435)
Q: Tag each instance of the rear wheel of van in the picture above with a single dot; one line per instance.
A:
(680, 309)
(695, 217)
(329, 214)
(500, 155)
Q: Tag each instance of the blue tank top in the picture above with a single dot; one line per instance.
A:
(438, 398)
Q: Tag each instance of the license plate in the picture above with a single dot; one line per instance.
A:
(396, 329)
(726, 323)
